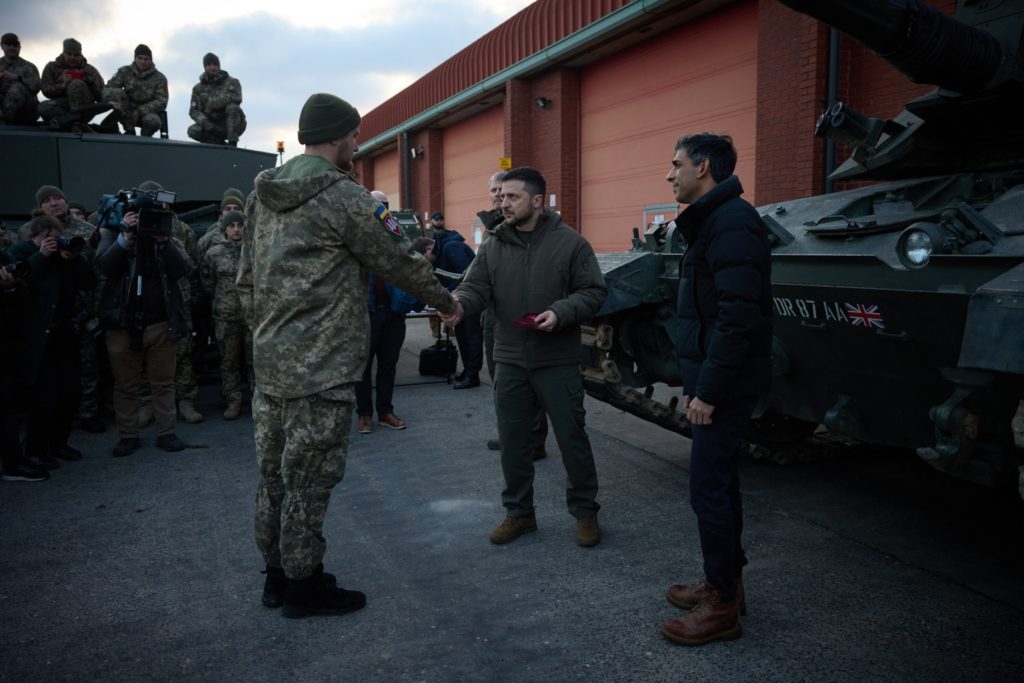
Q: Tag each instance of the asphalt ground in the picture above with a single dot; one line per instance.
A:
(865, 564)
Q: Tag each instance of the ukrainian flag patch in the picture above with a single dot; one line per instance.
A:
(389, 222)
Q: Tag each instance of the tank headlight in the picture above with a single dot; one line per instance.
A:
(919, 242)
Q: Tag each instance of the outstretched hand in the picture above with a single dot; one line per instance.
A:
(455, 317)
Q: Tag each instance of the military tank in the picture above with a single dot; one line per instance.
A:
(87, 166)
(898, 305)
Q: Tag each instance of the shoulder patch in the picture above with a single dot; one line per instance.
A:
(389, 222)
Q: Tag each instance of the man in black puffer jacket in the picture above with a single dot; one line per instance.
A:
(724, 307)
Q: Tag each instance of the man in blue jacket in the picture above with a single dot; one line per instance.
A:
(452, 255)
(724, 306)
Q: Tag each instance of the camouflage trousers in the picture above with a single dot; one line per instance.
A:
(148, 124)
(89, 370)
(229, 127)
(79, 96)
(234, 341)
(301, 449)
(18, 106)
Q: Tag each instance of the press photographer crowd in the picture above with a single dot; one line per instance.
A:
(96, 313)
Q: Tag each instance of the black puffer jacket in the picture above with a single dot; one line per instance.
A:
(724, 301)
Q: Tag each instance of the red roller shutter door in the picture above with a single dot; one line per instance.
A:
(700, 77)
(472, 149)
(387, 177)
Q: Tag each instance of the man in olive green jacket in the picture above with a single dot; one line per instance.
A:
(138, 94)
(313, 233)
(543, 280)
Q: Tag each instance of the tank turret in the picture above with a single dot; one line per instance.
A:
(898, 306)
(969, 123)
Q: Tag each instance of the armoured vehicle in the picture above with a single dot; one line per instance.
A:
(899, 305)
(88, 166)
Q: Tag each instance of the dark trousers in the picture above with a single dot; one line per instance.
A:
(387, 334)
(470, 336)
(53, 402)
(12, 402)
(518, 394)
(539, 432)
(715, 493)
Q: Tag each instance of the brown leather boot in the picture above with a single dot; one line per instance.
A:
(689, 596)
(188, 412)
(710, 620)
(512, 528)
(588, 533)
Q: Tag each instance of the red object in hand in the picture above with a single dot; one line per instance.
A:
(528, 321)
(75, 74)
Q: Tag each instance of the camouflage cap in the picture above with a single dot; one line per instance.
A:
(47, 191)
(326, 117)
(73, 46)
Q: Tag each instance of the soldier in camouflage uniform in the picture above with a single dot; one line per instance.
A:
(75, 89)
(233, 200)
(234, 339)
(215, 106)
(312, 235)
(138, 94)
(51, 199)
(19, 84)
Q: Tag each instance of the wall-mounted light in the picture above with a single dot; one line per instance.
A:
(416, 152)
(542, 102)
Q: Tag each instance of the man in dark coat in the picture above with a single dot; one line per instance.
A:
(452, 256)
(724, 307)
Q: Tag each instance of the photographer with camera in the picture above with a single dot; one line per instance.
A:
(50, 365)
(142, 310)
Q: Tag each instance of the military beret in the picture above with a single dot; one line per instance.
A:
(10, 39)
(47, 191)
(71, 45)
(232, 217)
(210, 58)
(142, 49)
(324, 118)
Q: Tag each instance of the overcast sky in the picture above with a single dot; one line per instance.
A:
(362, 50)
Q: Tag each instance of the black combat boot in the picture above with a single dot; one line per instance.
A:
(315, 597)
(273, 587)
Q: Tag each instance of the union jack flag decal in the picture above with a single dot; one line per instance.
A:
(868, 316)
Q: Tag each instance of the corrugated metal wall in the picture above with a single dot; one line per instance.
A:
(528, 32)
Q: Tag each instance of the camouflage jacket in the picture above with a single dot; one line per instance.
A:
(187, 239)
(219, 269)
(144, 92)
(54, 87)
(211, 96)
(27, 73)
(312, 235)
(213, 236)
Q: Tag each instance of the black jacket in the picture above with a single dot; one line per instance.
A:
(54, 284)
(453, 255)
(724, 301)
(118, 299)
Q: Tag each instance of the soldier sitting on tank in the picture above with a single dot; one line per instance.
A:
(234, 339)
(74, 88)
(138, 95)
(215, 106)
(19, 84)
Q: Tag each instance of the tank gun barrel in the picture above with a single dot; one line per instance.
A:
(926, 45)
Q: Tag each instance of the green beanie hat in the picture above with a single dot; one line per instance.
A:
(232, 196)
(47, 191)
(210, 58)
(325, 118)
(232, 217)
(73, 46)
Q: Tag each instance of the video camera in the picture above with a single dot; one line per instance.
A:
(155, 218)
(74, 244)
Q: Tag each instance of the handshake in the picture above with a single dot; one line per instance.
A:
(455, 317)
(542, 322)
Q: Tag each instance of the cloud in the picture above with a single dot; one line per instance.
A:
(281, 52)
